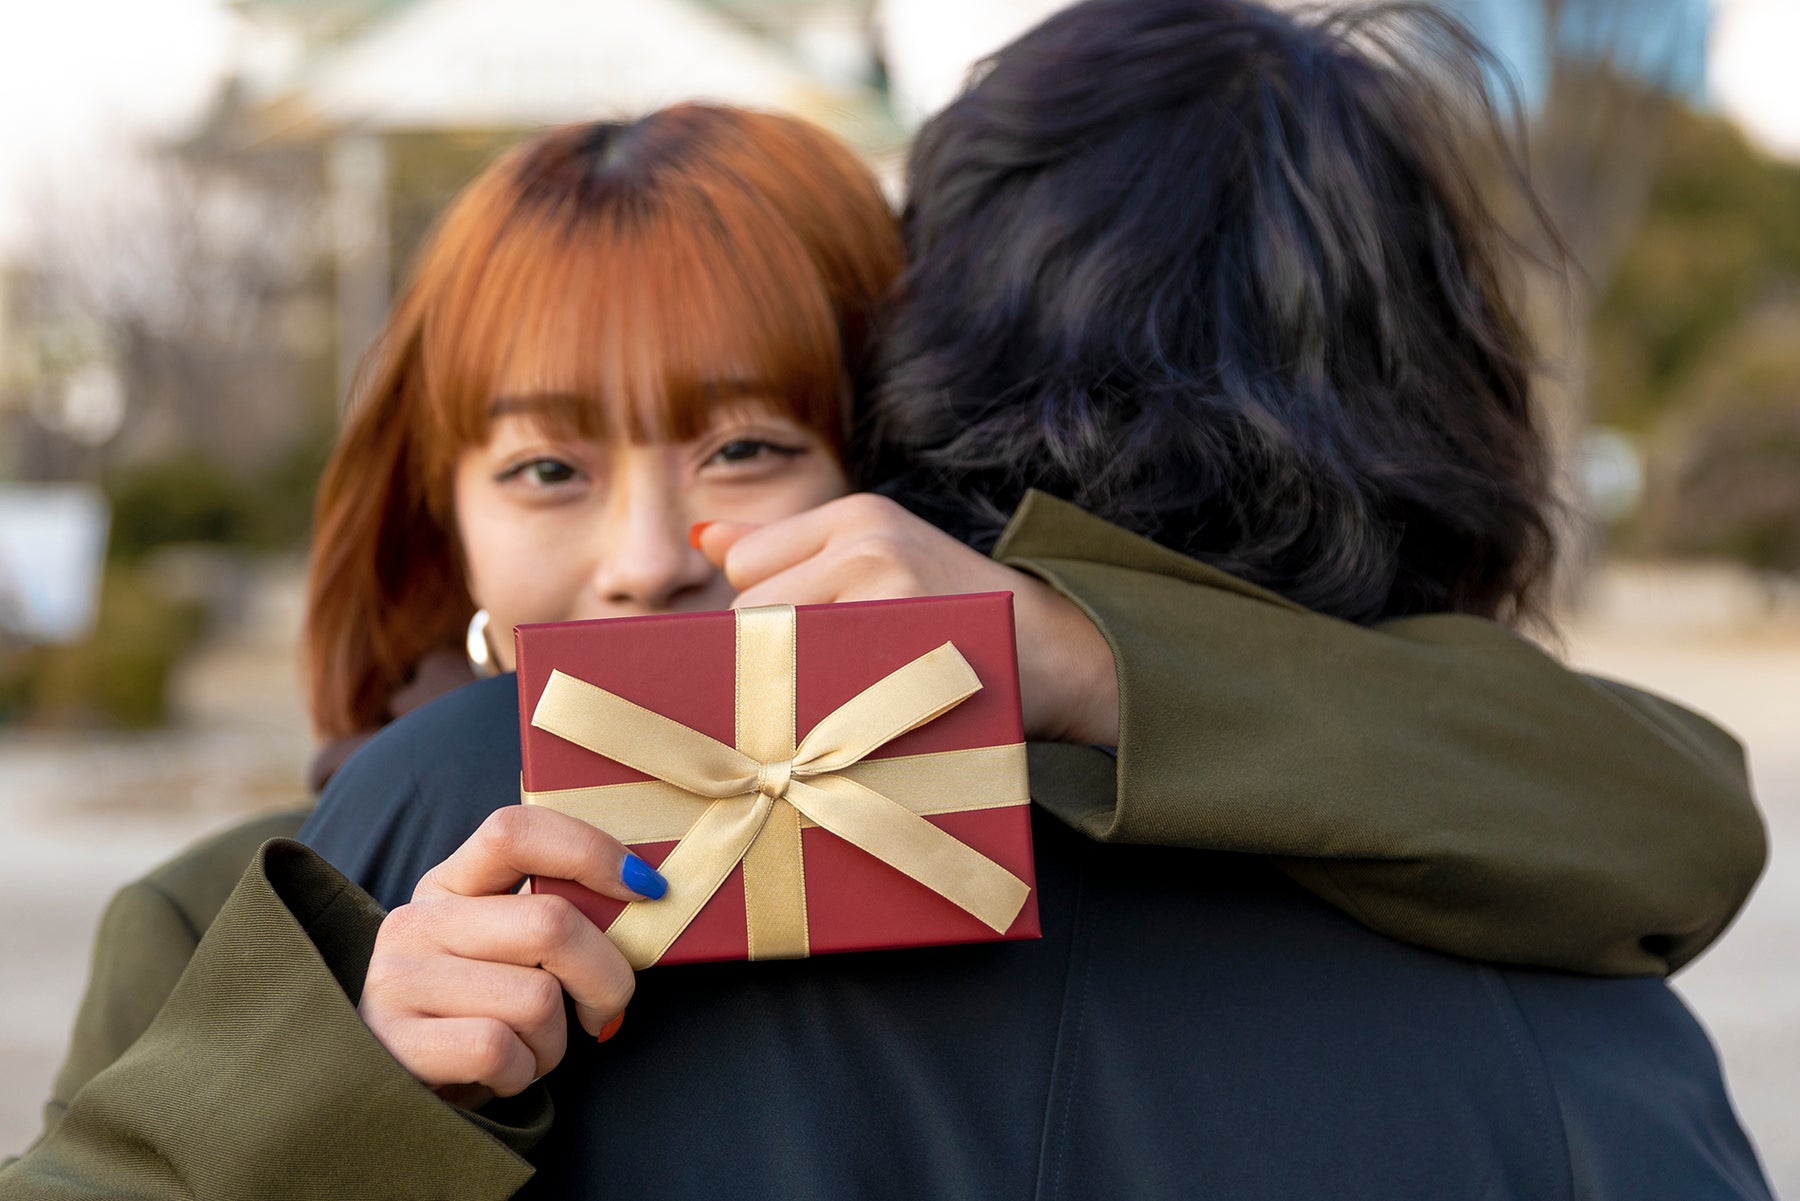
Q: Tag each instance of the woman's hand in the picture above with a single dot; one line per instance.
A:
(866, 547)
(465, 987)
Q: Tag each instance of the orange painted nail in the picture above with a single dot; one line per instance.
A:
(696, 531)
(611, 1028)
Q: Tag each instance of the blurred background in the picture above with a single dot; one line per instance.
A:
(204, 206)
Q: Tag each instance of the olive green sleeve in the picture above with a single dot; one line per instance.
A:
(141, 950)
(257, 1078)
(1440, 779)
(146, 937)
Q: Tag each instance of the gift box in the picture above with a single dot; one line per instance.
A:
(808, 779)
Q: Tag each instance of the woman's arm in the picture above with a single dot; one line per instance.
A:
(258, 1079)
(305, 1005)
(1439, 778)
(146, 937)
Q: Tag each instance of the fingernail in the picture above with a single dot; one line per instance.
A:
(696, 531)
(611, 1028)
(642, 879)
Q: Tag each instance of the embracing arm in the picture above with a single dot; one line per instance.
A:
(1439, 778)
(258, 1079)
(146, 937)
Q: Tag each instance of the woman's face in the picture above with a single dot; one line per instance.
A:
(559, 528)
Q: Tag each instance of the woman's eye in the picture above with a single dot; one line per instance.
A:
(542, 472)
(745, 450)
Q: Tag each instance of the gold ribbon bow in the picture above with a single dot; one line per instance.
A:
(748, 803)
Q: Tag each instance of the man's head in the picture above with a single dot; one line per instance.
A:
(1222, 274)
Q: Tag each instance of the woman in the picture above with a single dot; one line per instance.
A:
(441, 580)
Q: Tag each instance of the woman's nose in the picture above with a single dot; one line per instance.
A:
(646, 563)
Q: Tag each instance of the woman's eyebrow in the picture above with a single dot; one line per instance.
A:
(707, 391)
(734, 388)
(535, 404)
(719, 391)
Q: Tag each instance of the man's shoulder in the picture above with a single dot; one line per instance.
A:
(471, 731)
(479, 716)
(419, 787)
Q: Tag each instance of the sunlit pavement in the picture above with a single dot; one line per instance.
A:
(80, 816)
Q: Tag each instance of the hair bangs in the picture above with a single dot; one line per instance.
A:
(636, 322)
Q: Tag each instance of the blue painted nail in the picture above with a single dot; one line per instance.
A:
(642, 879)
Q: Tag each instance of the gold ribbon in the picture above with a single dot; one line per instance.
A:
(747, 803)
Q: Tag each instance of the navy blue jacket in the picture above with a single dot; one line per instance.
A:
(1191, 1025)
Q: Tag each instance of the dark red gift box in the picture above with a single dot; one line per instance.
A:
(630, 685)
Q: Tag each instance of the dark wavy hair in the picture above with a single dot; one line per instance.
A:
(1224, 275)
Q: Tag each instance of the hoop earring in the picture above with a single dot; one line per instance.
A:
(481, 655)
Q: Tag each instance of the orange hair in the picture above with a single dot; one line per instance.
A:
(637, 267)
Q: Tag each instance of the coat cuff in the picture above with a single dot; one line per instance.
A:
(258, 1078)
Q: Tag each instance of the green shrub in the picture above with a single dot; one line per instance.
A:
(18, 668)
(190, 498)
(281, 497)
(1717, 241)
(183, 499)
(1724, 470)
(119, 677)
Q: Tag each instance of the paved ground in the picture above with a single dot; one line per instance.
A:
(78, 817)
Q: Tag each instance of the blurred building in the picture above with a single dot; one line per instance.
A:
(223, 314)
(412, 100)
(229, 302)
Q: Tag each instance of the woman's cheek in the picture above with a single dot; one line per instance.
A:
(545, 578)
(514, 572)
(825, 482)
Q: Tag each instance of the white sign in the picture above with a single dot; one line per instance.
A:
(52, 553)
